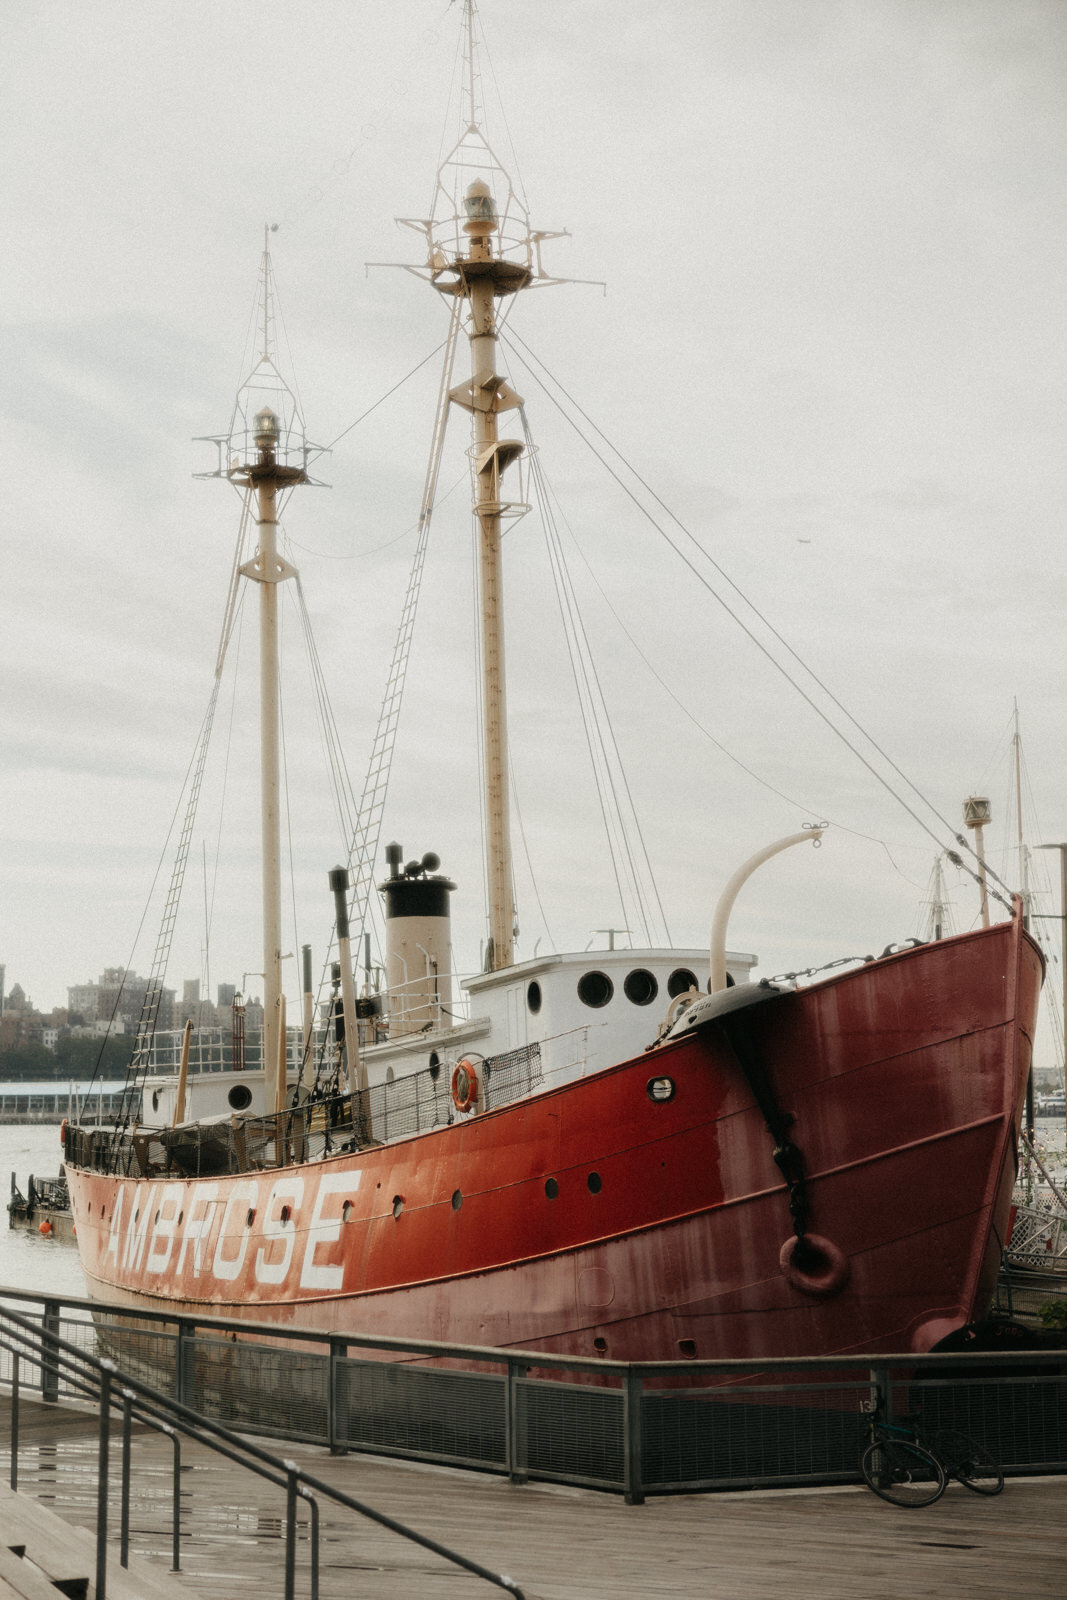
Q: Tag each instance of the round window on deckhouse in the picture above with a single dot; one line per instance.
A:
(640, 987)
(595, 989)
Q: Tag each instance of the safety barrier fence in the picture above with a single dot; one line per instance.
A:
(635, 1429)
(37, 1357)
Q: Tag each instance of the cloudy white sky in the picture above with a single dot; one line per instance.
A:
(833, 237)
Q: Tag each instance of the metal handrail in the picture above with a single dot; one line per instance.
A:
(96, 1377)
(612, 1372)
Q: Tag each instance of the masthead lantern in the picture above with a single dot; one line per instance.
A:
(265, 429)
(478, 204)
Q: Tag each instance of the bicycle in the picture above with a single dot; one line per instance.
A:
(910, 1469)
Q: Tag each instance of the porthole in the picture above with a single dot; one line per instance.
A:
(251, 1217)
(285, 1213)
(533, 996)
(181, 1217)
(681, 981)
(660, 1090)
(640, 987)
(595, 989)
(595, 1183)
(398, 1205)
(600, 1346)
(551, 1188)
(346, 1211)
(688, 1349)
(457, 1199)
(240, 1097)
(103, 1213)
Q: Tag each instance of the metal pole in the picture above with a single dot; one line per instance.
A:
(292, 1472)
(127, 1429)
(15, 1420)
(50, 1364)
(356, 1072)
(106, 1370)
(633, 1486)
(176, 1502)
(314, 1505)
(307, 1047)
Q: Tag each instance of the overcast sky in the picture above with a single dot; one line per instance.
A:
(833, 238)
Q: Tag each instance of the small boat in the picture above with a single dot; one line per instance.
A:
(635, 1153)
(43, 1209)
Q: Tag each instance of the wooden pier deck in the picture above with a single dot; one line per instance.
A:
(557, 1543)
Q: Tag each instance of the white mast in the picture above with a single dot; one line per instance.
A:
(259, 450)
(482, 276)
(480, 249)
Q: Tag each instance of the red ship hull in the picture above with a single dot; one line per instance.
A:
(590, 1219)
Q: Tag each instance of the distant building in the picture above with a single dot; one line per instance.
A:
(118, 998)
(21, 1023)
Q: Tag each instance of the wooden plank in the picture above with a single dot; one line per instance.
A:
(558, 1543)
(47, 1540)
(67, 1554)
(24, 1580)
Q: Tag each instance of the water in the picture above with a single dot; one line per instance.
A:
(27, 1261)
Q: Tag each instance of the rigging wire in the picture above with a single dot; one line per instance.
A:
(239, 623)
(322, 449)
(707, 733)
(526, 853)
(745, 627)
(604, 751)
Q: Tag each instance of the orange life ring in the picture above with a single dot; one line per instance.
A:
(823, 1269)
(465, 1085)
(45, 1228)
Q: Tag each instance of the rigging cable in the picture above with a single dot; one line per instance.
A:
(583, 663)
(747, 629)
(707, 733)
(363, 839)
(320, 450)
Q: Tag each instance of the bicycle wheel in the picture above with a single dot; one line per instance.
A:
(903, 1473)
(964, 1458)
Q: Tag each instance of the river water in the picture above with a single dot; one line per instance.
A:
(26, 1260)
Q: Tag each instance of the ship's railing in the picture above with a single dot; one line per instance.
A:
(39, 1356)
(415, 1103)
(1039, 1234)
(633, 1428)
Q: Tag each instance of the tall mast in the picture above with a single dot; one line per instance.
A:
(265, 455)
(480, 249)
(482, 274)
